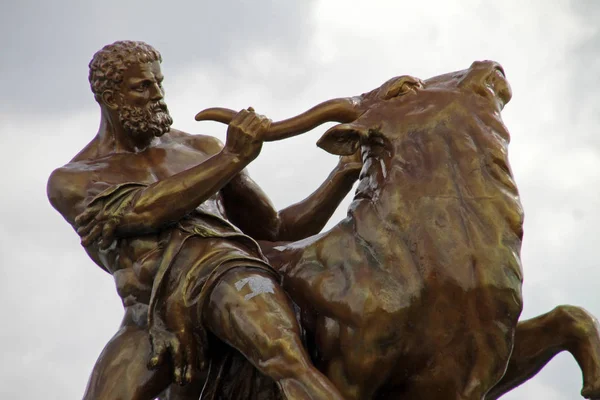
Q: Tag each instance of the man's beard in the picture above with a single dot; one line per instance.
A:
(150, 121)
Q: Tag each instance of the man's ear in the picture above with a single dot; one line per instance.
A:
(343, 139)
(109, 99)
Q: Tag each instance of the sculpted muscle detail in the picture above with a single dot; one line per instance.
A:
(416, 294)
(423, 279)
(151, 205)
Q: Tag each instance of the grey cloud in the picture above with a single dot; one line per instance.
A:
(55, 332)
(584, 61)
(560, 192)
(52, 42)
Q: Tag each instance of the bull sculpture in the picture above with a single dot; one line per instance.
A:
(417, 293)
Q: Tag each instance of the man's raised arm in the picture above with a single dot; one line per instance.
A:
(148, 208)
(250, 209)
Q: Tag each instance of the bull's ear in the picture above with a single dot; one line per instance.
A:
(342, 140)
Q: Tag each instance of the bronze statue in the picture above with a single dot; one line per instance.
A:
(154, 206)
(415, 295)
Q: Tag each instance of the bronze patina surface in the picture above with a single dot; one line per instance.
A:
(156, 207)
(415, 295)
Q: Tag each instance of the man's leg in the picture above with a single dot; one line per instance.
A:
(121, 371)
(250, 311)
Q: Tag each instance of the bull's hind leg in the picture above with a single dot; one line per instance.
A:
(539, 339)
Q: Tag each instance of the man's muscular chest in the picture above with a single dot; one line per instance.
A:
(153, 165)
(164, 162)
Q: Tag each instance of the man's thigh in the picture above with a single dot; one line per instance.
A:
(248, 310)
(121, 371)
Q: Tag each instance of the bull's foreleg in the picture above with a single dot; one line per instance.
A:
(539, 339)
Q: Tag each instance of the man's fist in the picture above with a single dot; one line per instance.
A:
(245, 134)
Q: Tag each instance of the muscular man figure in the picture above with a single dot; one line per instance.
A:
(174, 218)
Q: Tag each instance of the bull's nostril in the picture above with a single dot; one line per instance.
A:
(501, 70)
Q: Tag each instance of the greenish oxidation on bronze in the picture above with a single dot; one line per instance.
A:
(416, 294)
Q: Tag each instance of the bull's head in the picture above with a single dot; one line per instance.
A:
(401, 101)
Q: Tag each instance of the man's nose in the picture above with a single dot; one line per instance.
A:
(156, 92)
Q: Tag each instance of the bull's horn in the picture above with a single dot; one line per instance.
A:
(336, 110)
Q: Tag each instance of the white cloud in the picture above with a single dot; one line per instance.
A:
(61, 308)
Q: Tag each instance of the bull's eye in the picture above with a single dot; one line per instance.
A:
(402, 86)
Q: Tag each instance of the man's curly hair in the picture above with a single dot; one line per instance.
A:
(107, 65)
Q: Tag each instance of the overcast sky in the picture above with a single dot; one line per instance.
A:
(57, 309)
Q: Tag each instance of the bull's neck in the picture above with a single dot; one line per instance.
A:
(372, 205)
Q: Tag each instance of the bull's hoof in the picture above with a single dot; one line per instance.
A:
(591, 391)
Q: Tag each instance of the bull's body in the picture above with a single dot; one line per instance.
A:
(417, 293)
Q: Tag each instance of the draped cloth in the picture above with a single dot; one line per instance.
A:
(189, 258)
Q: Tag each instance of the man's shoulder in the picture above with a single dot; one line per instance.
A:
(205, 143)
(67, 185)
(77, 169)
(71, 186)
(72, 172)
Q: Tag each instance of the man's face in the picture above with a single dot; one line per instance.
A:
(142, 110)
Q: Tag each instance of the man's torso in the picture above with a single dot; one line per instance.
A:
(134, 261)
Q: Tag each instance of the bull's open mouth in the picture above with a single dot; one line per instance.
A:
(497, 84)
(363, 195)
